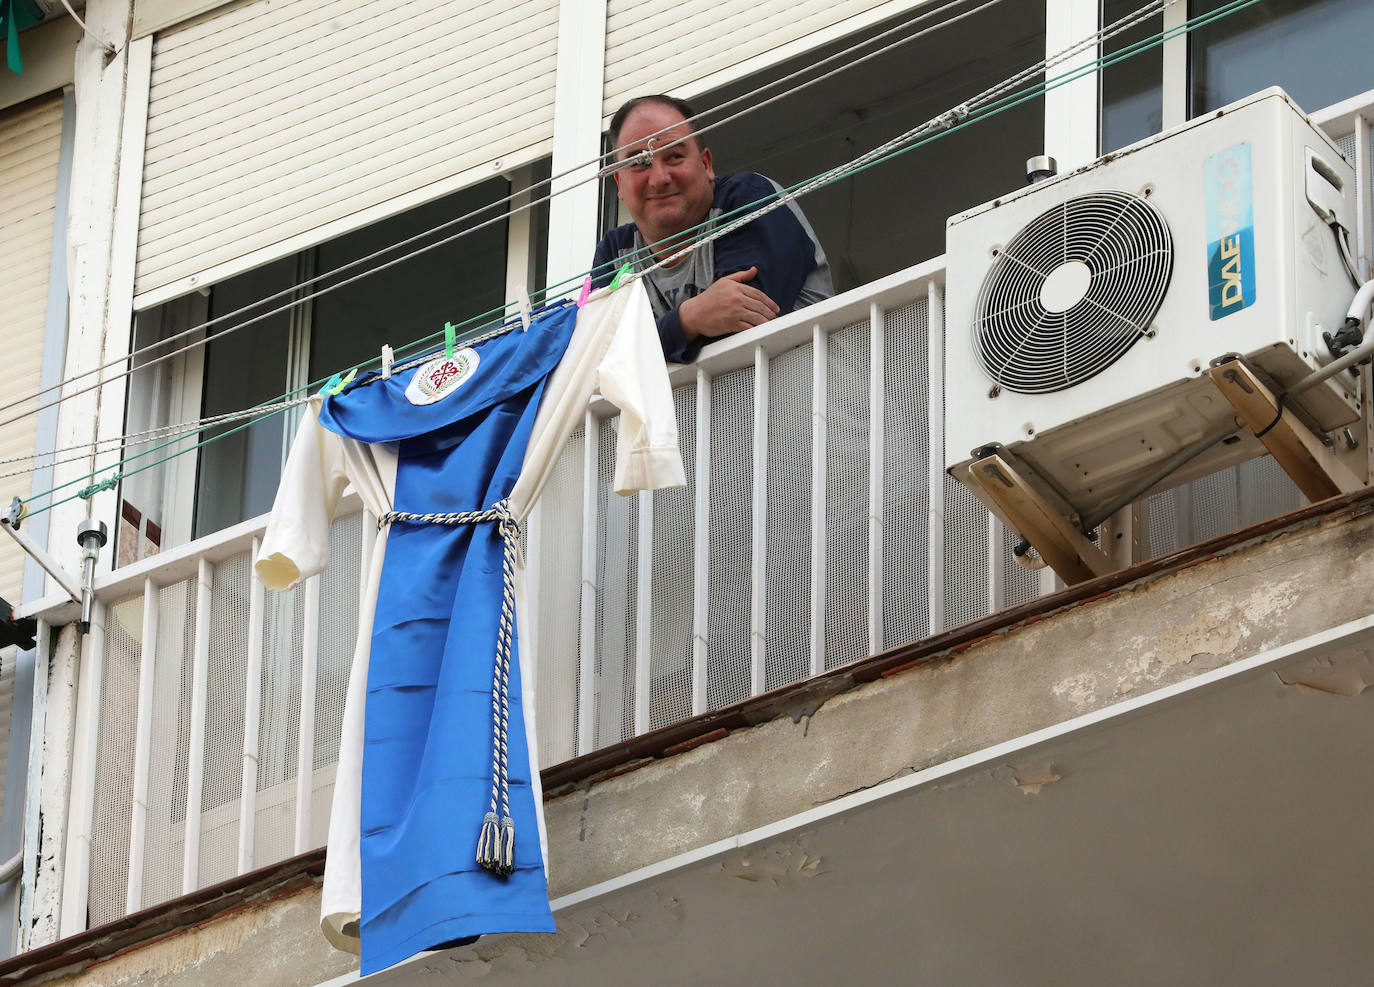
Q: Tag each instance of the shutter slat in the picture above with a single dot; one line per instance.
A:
(30, 143)
(261, 138)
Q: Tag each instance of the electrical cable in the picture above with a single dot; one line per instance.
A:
(884, 152)
(302, 298)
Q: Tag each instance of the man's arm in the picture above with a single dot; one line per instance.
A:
(776, 243)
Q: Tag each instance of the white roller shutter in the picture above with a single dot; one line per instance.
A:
(30, 140)
(278, 124)
(686, 47)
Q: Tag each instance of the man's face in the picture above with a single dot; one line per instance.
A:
(674, 192)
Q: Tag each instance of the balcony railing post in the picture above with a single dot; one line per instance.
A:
(252, 720)
(935, 417)
(644, 646)
(758, 562)
(876, 396)
(1363, 233)
(305, 726)
(195, 770)
(586, 692)
(143, 740)
(85, 745)
(701, 546)
(819, 430)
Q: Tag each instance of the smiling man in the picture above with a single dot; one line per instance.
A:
(764, 269)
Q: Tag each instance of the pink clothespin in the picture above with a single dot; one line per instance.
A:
(586, 291)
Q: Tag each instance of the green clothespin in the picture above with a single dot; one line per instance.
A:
(329, 385)
(624, 270)
(339, 387)
(450, 332)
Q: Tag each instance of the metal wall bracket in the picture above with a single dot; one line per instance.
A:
(1315, 467)
(1065, 549)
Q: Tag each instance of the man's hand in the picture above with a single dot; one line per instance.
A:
(729, 305)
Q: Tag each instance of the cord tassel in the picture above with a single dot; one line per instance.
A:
(487, 848)
(507, 846)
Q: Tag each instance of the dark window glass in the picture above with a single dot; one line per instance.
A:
(1318, 51)
(1132, 91)
(453, 283)
(892, 216)
(239, 472)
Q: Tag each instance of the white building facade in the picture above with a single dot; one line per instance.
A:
(180, 162)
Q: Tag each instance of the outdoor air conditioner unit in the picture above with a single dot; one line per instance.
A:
(1083, 312)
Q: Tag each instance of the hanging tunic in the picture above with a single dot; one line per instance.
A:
(415, 774)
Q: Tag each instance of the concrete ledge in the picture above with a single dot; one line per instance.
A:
(695, 783)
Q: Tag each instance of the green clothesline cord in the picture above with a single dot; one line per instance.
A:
(492, 316)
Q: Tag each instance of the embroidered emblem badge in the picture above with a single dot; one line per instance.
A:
(441, 376)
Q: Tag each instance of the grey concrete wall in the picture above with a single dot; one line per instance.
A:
(1097, 653)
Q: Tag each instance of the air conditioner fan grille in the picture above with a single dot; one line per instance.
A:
(1072, 292)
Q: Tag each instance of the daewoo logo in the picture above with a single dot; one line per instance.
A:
(1230, 206)
(1230, 232)
(441, 376)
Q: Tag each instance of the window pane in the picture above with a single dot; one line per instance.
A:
(452, 283)
(1318, 50)
(1132, 92)
(893, 215)
(239, 473)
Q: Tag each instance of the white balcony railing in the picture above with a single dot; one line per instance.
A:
(817, 528)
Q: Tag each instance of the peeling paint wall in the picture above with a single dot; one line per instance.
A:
(1003, 687)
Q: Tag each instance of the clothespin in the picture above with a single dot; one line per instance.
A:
(339, 387)
(450, 333)
(586, 291)
(522, 301)
(329, 385)
(388, 358)
(624, 270)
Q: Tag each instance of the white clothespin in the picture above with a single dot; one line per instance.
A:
(522, 299)
(388, 358)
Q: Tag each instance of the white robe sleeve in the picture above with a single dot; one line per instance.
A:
(634, 377)
(296, 542)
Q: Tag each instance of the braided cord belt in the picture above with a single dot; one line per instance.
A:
(496, 843)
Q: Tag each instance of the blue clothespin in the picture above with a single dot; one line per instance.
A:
(329, 385)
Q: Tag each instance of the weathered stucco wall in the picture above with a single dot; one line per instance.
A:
(1122, 645)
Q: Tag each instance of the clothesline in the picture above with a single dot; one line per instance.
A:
(949, 122)
(299, 298)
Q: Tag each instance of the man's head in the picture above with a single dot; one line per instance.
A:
(673, 192)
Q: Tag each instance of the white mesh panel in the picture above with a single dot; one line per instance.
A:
(906, 475)
(966, 555)
(1265, 490)
(169, 749)
(787, 615)
(338, 634)
(616, 606)
(1019, 584)
(731, 551)
(670, 658)
(114, 766)
(278, 727)
(557, 597)
(846, 496)
(226, 681)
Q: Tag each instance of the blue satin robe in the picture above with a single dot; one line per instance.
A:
(427, 736)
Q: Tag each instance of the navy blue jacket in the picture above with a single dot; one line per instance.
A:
(778, 244)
